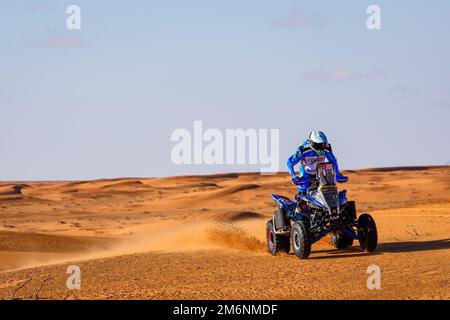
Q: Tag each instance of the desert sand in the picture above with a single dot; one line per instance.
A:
(203, 237)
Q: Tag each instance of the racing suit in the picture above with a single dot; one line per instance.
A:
(309, 159)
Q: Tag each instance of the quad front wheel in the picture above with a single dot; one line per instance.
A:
(367, 230)
(301, 242)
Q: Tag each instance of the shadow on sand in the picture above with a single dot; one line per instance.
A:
(413, 246)
(389, 247)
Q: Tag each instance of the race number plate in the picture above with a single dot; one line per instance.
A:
(327, 170)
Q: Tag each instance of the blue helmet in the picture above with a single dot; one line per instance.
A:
(318, 140)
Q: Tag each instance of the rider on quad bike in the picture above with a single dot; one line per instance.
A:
(309, 154)
(320, 208)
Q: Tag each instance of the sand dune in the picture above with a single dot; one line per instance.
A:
(203, 237)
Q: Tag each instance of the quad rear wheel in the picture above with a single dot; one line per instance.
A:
(341, 241)
(276, 242)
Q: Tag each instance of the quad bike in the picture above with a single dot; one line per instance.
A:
(321, 210)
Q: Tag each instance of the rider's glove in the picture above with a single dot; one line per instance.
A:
(300, 181)
(341, 178)
(296, 181)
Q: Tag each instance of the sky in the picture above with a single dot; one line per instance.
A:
(102, 101)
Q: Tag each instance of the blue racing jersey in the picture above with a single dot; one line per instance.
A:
(308, 158)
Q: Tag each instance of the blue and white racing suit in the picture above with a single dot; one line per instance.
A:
(309, 159)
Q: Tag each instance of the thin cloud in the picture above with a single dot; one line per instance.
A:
(56, 42)
(331, 75)
(405, 91)
(341, 75)
(299, 19)
(439, 104)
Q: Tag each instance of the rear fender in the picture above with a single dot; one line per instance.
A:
(285, 203)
